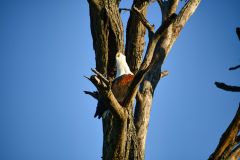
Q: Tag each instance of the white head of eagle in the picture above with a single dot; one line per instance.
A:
(122, 66)
(120, 85)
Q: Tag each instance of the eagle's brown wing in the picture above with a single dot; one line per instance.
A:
(120, 86)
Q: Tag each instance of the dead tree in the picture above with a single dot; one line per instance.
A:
(229, 144)
(125, 130)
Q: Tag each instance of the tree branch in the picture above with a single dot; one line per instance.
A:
(144, 21)
(115, 107)
(148, 61)
(172, 6)
(164, 74)
(186, 13)
(153, 41)
(93, 94)
(234, 68)
(228, 138)
(235, 154)
(100, 76)
(238, 32)
(124, 9)
(162, 6)
(226, 87)
(105, 90)
(160, 2)
(167, 8)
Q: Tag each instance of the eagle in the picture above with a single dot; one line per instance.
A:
(120, 84)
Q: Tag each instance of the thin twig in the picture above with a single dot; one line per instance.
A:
(93, 94)
(124, 9)
(86, 77)
(144, 21)
(100, 76)
(164, 74)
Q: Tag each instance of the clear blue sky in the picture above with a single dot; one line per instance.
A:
(46, 48)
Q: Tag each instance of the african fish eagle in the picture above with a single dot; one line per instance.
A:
(120, 84)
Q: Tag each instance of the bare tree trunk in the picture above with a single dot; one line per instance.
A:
(143, 107)
(124, 134)
(107, 33)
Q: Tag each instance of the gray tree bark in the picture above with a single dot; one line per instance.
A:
(124, 132)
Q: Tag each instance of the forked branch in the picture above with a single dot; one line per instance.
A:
(104, 88)
(148, 61)
(101, 76)
(144, 21)
(167, 8)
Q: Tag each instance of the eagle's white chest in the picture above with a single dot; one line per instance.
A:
(122, 81)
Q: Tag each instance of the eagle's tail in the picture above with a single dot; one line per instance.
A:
(101, 108)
